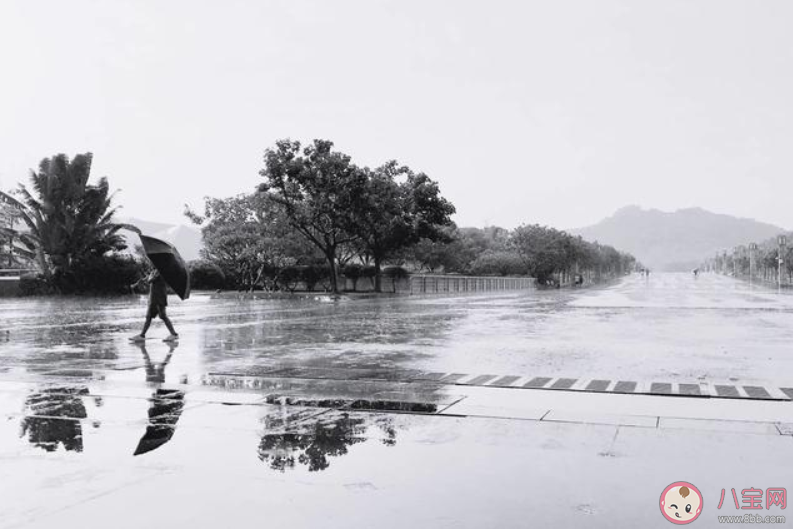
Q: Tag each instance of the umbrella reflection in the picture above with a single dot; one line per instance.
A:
(54, 418)
(165, 405)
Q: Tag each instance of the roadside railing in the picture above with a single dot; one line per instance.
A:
(438, 284)
(10, 279)
(15, 272)
(441, 283)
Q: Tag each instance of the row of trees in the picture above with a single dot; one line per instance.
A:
(315, 217)
(316, 205)
(761, 260)
(538, 251)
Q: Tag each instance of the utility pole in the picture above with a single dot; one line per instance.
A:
(752, 250)
(781, 241)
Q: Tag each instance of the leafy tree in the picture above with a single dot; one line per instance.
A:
(547, 251)
(353, 272)
(459, 248)
(393, 215)
(502, 263)
(320, 191)
(248, 237)
(206, 275)
(68, 218)
(434, 255)
(540, 248)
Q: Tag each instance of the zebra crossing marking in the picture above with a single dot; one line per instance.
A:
(601, 385)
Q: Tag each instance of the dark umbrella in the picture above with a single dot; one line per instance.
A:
(166, 259)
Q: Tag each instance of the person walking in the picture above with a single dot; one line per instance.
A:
(158, 301)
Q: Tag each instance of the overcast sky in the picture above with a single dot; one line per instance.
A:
(557, 112)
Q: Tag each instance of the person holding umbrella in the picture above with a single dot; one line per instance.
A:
(171, 271)
(158, 301)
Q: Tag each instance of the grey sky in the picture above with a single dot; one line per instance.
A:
(556, 112)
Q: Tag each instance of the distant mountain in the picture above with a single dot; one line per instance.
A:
(678, 240)
(186, 239)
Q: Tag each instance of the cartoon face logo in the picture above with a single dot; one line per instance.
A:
(681, 503)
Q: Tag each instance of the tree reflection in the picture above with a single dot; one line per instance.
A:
(389, 432)
(312, 443)
(54, 418)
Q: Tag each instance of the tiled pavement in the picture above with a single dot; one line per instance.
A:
(584, 384)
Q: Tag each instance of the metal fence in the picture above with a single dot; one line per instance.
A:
(438, 284)
(15, 272)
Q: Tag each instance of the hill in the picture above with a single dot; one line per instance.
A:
(678, 240)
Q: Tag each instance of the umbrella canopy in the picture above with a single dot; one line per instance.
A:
(166, 259)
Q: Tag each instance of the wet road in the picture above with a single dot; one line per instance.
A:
(306, 412)
(671, 327)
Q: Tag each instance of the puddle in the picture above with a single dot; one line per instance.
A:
(314, 444)
(356, 404)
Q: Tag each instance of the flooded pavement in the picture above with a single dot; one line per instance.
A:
(73, 457)
(672, 327)
(468, 411)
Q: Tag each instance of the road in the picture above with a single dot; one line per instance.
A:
(671, 327)
(468, 411)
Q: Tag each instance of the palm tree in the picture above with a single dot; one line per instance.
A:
(69, 218)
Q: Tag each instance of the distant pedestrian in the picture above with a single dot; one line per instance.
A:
(158, 301)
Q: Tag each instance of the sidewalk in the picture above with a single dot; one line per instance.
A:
(314, 453)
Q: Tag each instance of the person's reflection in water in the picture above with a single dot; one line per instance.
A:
(165, 405)
(155, 373)
(54, 418)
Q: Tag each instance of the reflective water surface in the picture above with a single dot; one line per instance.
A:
(300, 405)
(672, 325)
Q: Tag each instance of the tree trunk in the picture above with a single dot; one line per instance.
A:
(42, 260)
(378, 286)
(334, 280)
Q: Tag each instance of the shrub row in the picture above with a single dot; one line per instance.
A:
(94, 275)
(207, 275)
